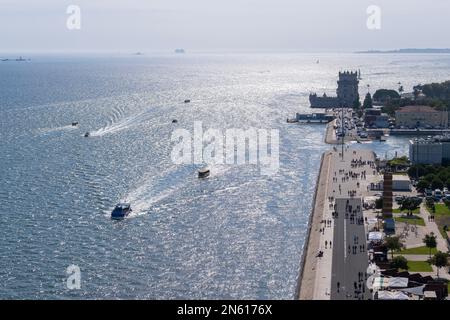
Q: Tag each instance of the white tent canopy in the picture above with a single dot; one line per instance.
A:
(398, 282)
(418, 291)
(392, 295)
(380, 283)
(375, 236)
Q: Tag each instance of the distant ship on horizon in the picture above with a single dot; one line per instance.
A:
(17, 59)
(180, 51)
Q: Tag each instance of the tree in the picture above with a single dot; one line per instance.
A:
(393, 244)
(356, 104)
(410, 204)
(422, 185)
(384, 95)
(367, 104)
(429, 202)
(399, 262)
(440, 260)
(437, 183)
(429, 177)
(447, 202)
(416, 171)
(447, 183)
(430, 241)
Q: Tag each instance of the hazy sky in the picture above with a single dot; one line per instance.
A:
(211, 25)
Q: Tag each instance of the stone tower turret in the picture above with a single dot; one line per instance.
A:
(347, 91)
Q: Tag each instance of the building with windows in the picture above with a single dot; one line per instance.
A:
(434, 150)
(421, 117)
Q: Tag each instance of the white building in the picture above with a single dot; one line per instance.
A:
(425, 151)
(401, 183)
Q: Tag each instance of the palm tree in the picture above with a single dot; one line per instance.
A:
(430, 242)
(440, 259)
(400, 88)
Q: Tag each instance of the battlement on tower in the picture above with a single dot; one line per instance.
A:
(348, 75)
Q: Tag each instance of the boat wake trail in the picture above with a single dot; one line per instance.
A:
(44, 131)
(143, 203)
(145, 197)
(117, 122)
(148, 196)
(117, 126)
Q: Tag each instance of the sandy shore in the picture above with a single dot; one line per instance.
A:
(305, 290)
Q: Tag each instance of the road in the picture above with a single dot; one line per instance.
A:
(350, 260)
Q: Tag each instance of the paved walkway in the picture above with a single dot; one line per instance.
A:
(414, 238)
(339, 179)
(431, 226)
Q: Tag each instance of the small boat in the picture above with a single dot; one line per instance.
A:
(74, 124)
(121, 211)
(204, 172)
(87, 134)
(187, 101)
(174, 121)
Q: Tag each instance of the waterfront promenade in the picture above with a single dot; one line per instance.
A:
(337, 229)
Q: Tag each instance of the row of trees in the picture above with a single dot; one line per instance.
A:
(434, 177)
(422, 170)
(435, 90)
(437, 95)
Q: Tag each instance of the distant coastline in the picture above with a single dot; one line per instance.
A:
(409, 50)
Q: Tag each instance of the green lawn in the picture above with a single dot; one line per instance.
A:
(418, 250)
(417, 210)
(442, 210)
(419, 266)
(411, 220)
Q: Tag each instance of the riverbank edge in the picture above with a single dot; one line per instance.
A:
(305, 284)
